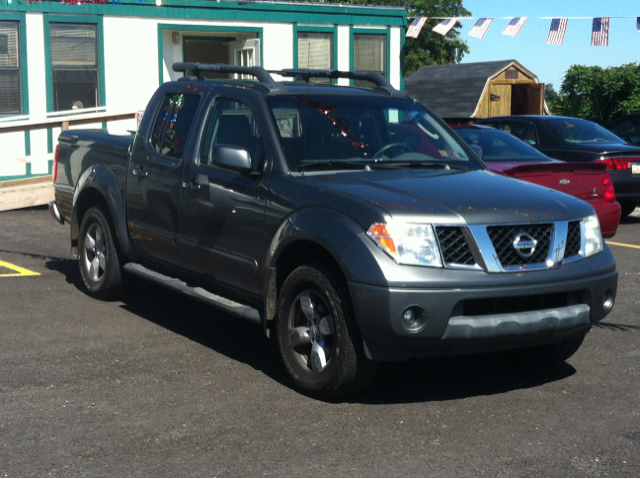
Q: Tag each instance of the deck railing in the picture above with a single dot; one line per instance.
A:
(38, 190)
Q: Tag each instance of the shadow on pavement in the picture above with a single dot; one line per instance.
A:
(616, 326)
(423, 380)
(630, 220)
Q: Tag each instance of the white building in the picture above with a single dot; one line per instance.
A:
(83, 58)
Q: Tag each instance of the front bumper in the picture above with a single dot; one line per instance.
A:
(467, 319)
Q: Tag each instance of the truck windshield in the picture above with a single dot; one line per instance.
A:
(375, 132)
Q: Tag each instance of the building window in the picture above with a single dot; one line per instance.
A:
(10, 77)
(74, 66)
(369, 54)
(315, 50)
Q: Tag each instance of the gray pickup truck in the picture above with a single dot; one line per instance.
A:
(349, 222)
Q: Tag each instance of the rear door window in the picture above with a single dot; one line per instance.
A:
(171, 129)
(521, 129)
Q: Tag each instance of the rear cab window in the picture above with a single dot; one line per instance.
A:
(173, 124)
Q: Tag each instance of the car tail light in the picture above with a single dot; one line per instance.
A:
(607, 186)
(56, 157)
(618, 163)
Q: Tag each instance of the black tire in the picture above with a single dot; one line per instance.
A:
(332, 336)
(550, 354)
(99, 259)
(626, 209)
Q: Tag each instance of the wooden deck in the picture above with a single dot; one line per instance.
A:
(25, 193)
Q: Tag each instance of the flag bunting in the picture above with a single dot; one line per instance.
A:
(480, 28)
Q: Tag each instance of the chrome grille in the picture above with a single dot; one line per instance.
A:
(574, 240)
(503, 238)
(455, 249)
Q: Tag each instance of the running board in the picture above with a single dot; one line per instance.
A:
(231, 307)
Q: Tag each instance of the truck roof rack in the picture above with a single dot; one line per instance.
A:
(304, 74)
(192, 72)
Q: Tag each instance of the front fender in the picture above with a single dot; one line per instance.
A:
(336, 233)
(101, 180)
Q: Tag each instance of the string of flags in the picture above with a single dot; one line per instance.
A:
(557, 29)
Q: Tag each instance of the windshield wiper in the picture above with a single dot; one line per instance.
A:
(333, 164)
(426, 164)
(346, 164)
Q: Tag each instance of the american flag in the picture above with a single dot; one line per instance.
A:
(600, 32)
(514, 26)
(638, 23)
(480, 28)
(416, 27)
(557, 30)
(445, 26)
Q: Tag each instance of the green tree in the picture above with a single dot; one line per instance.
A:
(599, 94)
(551, 96)
(430, 48)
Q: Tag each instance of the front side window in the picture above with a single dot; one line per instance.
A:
(315, 51)
(10, 81)
(173, 124)
(369, 54)
(74, 66)
(231, 123)
(321, 130)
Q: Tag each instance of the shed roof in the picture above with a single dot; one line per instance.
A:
(453, 91)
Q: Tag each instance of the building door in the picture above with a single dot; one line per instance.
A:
(207, 50)
(499, 100)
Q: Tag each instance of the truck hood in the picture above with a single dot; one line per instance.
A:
(472, 197)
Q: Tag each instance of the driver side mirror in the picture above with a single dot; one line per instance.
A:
(477, 150)
(233, 157)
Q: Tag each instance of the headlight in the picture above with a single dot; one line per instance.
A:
(407, 243)
(593, 236)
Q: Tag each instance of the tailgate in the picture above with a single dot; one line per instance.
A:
(582, 180)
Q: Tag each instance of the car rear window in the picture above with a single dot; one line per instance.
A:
(574, 130)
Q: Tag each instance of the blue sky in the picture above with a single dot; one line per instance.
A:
(550, 62)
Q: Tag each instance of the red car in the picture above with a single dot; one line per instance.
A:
(507, 155)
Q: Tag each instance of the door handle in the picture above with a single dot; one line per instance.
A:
(193, 186)
(140, 172)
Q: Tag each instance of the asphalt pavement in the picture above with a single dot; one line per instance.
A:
(160, 385)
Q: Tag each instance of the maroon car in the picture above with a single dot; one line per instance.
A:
(509, 156)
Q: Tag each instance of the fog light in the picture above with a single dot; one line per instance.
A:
(409, 317)
(414, 318)
(607, 303)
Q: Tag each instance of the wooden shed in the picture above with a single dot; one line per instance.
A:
(478, 90)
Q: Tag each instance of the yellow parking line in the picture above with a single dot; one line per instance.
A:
(19, 271)
(623, 244)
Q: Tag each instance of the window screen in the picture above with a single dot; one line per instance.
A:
(10, 82)
(315, 50)
(171, 129)
(369, 54)
(74, 66)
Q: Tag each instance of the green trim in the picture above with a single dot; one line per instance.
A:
(402, 58)
(77, 19)
(201, 28)
(208, 10)
(372, 31)
(21, 18)
(27, 143)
